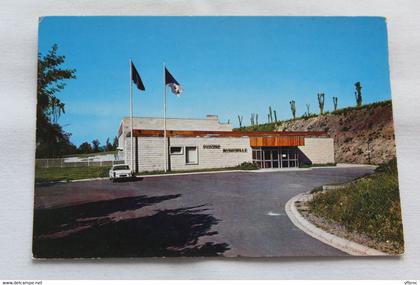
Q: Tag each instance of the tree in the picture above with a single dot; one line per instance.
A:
(252, 119)
(335, 101)
(95, 145)
(270, 115)
(51, 139)
(85, 148)
(358, 94)
(321, 101)
(55, 142)
(293, 108)
(108, 145)
(240, 118)
(115, 143)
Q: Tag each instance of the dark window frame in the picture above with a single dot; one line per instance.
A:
(176, 153)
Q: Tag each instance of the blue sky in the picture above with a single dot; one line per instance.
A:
(228, 66)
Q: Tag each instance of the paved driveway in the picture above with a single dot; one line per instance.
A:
(229, 214)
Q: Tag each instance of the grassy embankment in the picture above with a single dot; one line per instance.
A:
(74, 173)
(369, 206)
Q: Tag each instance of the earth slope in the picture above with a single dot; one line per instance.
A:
(353, 129)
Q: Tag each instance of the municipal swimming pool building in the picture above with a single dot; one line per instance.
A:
(207, 143)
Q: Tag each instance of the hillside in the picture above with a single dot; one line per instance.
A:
(351, 129)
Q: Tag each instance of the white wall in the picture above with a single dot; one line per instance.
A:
(212, 158)
(210, 123)
(319, 150)
(151, 153)
(205, 124)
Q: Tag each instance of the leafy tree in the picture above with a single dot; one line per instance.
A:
(56, 143)
(115, 143)
(108, 145)
(85, 148)
(95, 145)
(51, 139)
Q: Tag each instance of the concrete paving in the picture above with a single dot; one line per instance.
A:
(223, 214)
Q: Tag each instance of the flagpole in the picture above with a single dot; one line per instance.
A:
(131, 116)
(165, 149)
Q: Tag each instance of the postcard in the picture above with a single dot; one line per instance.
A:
(215, 136)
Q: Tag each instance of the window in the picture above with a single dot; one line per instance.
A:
(121, 167)
(275, 154)
(256, 154)
(176, 150)
(191, 155)
(267, 154)
(275, 157)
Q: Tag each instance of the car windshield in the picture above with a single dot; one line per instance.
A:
(121, 167)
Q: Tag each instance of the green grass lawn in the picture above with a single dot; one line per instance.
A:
(370, 206)
(74, 173)
(70, 173)
(83, 155)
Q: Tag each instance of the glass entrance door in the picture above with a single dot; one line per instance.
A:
(275, 157)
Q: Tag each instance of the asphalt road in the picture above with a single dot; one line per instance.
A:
(229, 214)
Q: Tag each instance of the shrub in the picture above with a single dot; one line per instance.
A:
(348, 139)
(316, 190)
(247, 166)
(308, 165)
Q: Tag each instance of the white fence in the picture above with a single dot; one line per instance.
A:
(63, 162)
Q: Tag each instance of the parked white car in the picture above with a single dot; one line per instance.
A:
(120, 171)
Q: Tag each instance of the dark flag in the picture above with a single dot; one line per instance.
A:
(171, 81)
(136, 78)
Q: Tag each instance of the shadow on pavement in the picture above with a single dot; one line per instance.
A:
(111, 229)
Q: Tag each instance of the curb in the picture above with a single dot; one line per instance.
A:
(339, 243)
(190, 173)
(70, 181)
(272, 170)
(193, 173)
(356, 165)
(175, 174)
(143, 176)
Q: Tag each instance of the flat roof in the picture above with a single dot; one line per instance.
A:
(186, 133)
